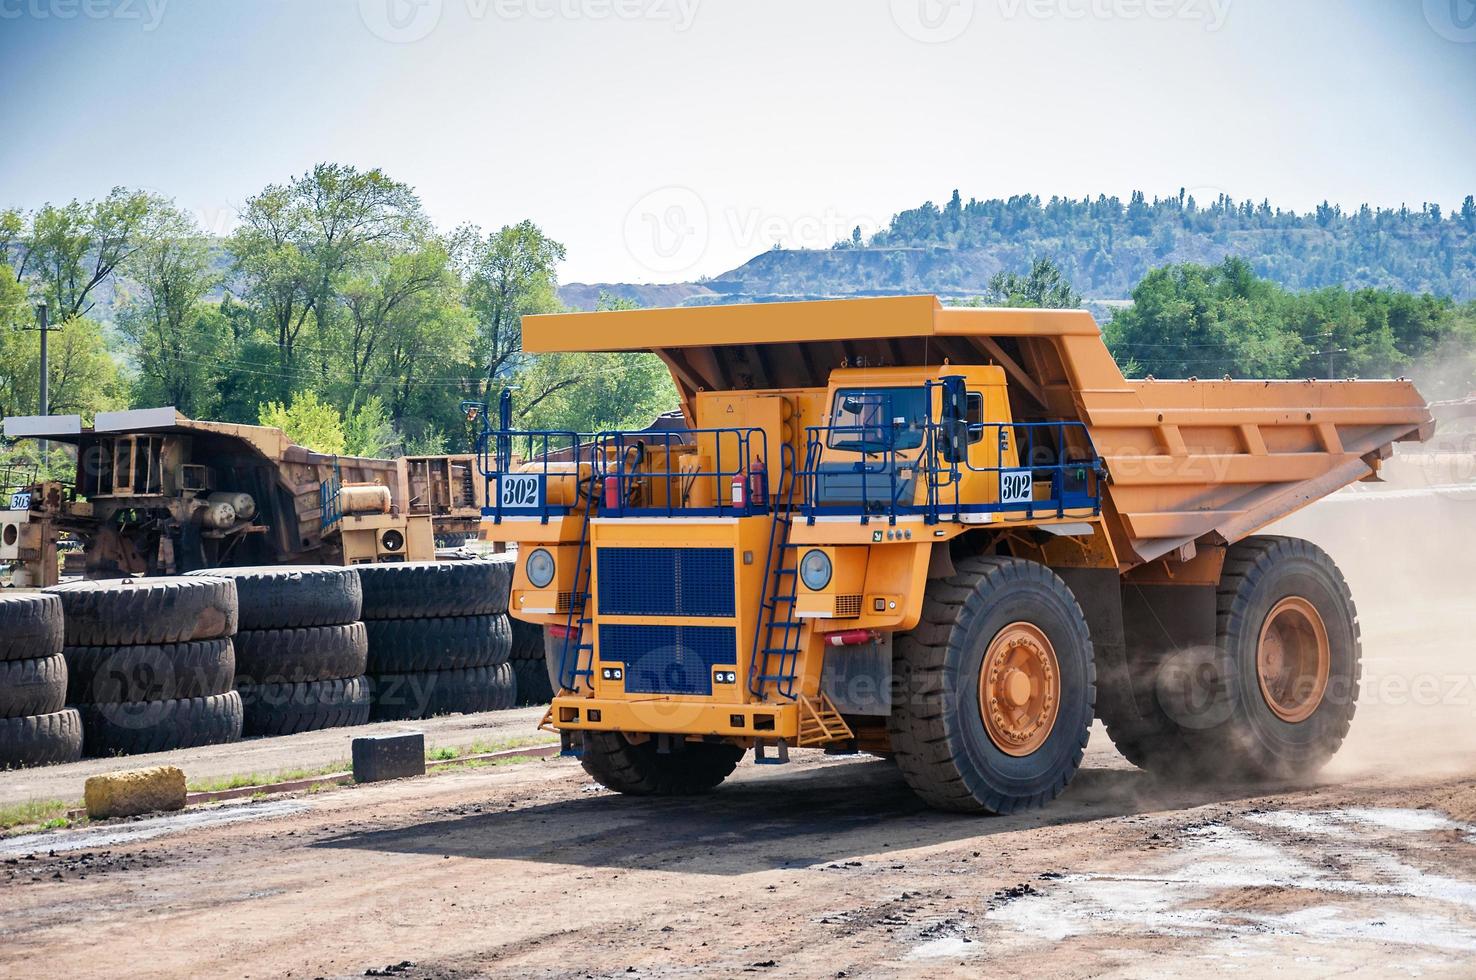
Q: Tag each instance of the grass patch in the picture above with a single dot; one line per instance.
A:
(447, 753)
(220, 784)
(38, 815)
(486, 763)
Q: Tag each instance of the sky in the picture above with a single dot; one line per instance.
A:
(663, 140)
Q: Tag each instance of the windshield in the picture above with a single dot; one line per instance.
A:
(874, 420)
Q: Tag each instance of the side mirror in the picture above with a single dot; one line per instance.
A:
(955, 419)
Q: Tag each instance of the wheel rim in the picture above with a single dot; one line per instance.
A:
(1293, 659)
(1019, 689)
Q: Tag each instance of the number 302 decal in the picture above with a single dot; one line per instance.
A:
(1016, 487)
(519, 490)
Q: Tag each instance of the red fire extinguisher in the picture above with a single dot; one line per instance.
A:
(740, 482)
(612, 492)
(758, 482)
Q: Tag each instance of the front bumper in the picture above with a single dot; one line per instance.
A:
(675, 717)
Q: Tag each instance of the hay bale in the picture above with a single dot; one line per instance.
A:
(127, 794)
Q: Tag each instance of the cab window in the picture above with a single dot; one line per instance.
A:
(874, 420)
(976, 417)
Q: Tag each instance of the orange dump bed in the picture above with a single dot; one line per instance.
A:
(1185, 459)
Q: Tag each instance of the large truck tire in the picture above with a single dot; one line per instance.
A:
(281, 597)
(32, 687)
(149, 672)
(41, 740)
(1130, 709)
(286, 709)
(535, 682)
(1289, 659)
(30, 626)
(401, 697)
(405, 646)
(430, 589)
(639, 769)
(131, 611)
(301, 655)
(135, 727)
(1011, 629)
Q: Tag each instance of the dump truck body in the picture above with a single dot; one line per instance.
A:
(768, 584)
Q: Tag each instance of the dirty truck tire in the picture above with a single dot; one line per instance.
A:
(404, 646)
(937, 728)
(1129, 706)
(147, 610)
(41, 740)
(535, 684)
(399, 697)
(1253, 742)
(294, 595)
(286, 709)
(427, 589)
(302, 655)
(30, 626)
(639, 770)
(159, 726)
(32, 687)
(150, 672)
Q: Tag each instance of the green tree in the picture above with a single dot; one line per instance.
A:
(307, 422)
(73, 249)
(1043, 286)
(509, 274)
(367, 430)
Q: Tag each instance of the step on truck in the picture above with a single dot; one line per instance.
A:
(948, 536)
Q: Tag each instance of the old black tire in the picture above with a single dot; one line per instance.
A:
(32, 687)
(150, 672)
(428, 589)
(134, 727)
(280, 597)
(301, 655)
(147, 610)
(1252, 742)
(638, 769)
(399, 697)
(405, 646)
(286, 709)
(41, 740)
(937, 730)
(535, 685)
(1129, 706)
(30, 626)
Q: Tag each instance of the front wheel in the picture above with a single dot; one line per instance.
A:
(994, 689)
(638, 769)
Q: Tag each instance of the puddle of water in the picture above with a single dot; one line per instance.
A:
(111, 835)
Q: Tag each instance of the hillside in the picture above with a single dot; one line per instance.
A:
(1105, 246)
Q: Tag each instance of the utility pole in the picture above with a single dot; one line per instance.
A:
(43, 324)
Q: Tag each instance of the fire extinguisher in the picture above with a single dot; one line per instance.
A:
(758, 482)
(612, 492)
(740, 483)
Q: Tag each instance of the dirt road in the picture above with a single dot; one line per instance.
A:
(825, 868)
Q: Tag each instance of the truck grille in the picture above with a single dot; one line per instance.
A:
(668, 659)
(666, 582)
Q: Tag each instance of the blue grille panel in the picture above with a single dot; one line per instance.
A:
(666, 582)
(669, 659)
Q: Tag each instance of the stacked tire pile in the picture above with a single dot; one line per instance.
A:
(150, 662)
(35, 728)
(301, 651)
(535, 685)
(439, 637)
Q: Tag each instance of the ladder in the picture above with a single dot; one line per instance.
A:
(570, 669)
(776, 641)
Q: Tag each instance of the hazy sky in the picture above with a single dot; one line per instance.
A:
(665, 139)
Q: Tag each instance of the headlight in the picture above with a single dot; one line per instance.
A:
(815, 570)
(540, 568)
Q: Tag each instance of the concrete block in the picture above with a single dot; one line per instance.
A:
(128, 794)
(380, 757)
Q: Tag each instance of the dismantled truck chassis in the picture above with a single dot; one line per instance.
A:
(948, 536)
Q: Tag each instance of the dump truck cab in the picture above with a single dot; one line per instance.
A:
(902, 528)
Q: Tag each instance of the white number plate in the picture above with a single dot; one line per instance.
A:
(1016, 487)
(21, 500)
(520, 491)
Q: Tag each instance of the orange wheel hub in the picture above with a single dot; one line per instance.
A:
(1019, 689)
(1293, 659)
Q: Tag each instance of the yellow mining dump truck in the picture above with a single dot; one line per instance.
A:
(157, 493)
(946, 536)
